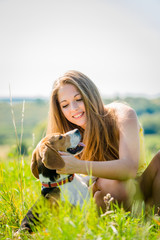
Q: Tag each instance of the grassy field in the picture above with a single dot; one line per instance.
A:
(152, 144)
(27, 117)
(19, 190)
(33, 116)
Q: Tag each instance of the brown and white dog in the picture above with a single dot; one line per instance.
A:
(45, 161)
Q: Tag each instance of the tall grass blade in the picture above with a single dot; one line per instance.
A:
(13, 119)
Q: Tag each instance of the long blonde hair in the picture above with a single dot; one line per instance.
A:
(101, 135)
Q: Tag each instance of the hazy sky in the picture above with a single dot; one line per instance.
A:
(114, 42)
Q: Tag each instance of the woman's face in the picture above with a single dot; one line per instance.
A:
(72, 105)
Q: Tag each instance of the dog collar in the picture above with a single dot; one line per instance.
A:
(58, 183)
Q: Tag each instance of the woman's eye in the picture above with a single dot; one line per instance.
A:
(80, 99)
(64, 106)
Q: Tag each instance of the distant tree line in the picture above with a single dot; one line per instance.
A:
(148, 111)
(36, 114)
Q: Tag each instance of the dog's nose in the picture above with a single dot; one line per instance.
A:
(74, 132)
(77, 132)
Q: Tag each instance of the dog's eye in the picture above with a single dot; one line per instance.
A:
(60, 137)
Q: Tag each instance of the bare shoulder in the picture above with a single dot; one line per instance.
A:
(123, 111)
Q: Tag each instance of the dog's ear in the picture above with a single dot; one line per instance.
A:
(52, 159)
(34, 167)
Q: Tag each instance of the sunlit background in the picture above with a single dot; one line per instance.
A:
(114, 42)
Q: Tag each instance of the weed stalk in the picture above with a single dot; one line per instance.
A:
(19, 144)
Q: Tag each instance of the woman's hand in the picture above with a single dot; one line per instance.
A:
(71, 164)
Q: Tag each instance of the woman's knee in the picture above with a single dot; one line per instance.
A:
(156, 160)
(115, 188)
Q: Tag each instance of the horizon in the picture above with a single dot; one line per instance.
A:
(114, 96)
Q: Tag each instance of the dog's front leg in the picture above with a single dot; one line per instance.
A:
(35, 215)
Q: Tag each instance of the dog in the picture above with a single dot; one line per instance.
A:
(45, 161)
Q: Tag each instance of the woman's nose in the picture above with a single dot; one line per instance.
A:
(74, 105)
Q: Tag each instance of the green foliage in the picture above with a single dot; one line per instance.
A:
(40, 131)
(148, 111)
(34, 113)
(141, 105)
(144, 105)
(19, 190)
(152, 144)
(18, 150)
(151, 123)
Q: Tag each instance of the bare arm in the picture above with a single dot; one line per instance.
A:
(127, 164)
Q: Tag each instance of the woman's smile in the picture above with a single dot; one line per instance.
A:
(77, 116)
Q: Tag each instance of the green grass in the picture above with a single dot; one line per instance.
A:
(35, 113)
(152, 143)
(19, 190)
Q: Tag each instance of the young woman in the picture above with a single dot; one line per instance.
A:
(113, 138)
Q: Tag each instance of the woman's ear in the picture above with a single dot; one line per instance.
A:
(34, 167)
(52, 159)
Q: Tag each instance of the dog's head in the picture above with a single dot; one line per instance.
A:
(46, 159)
